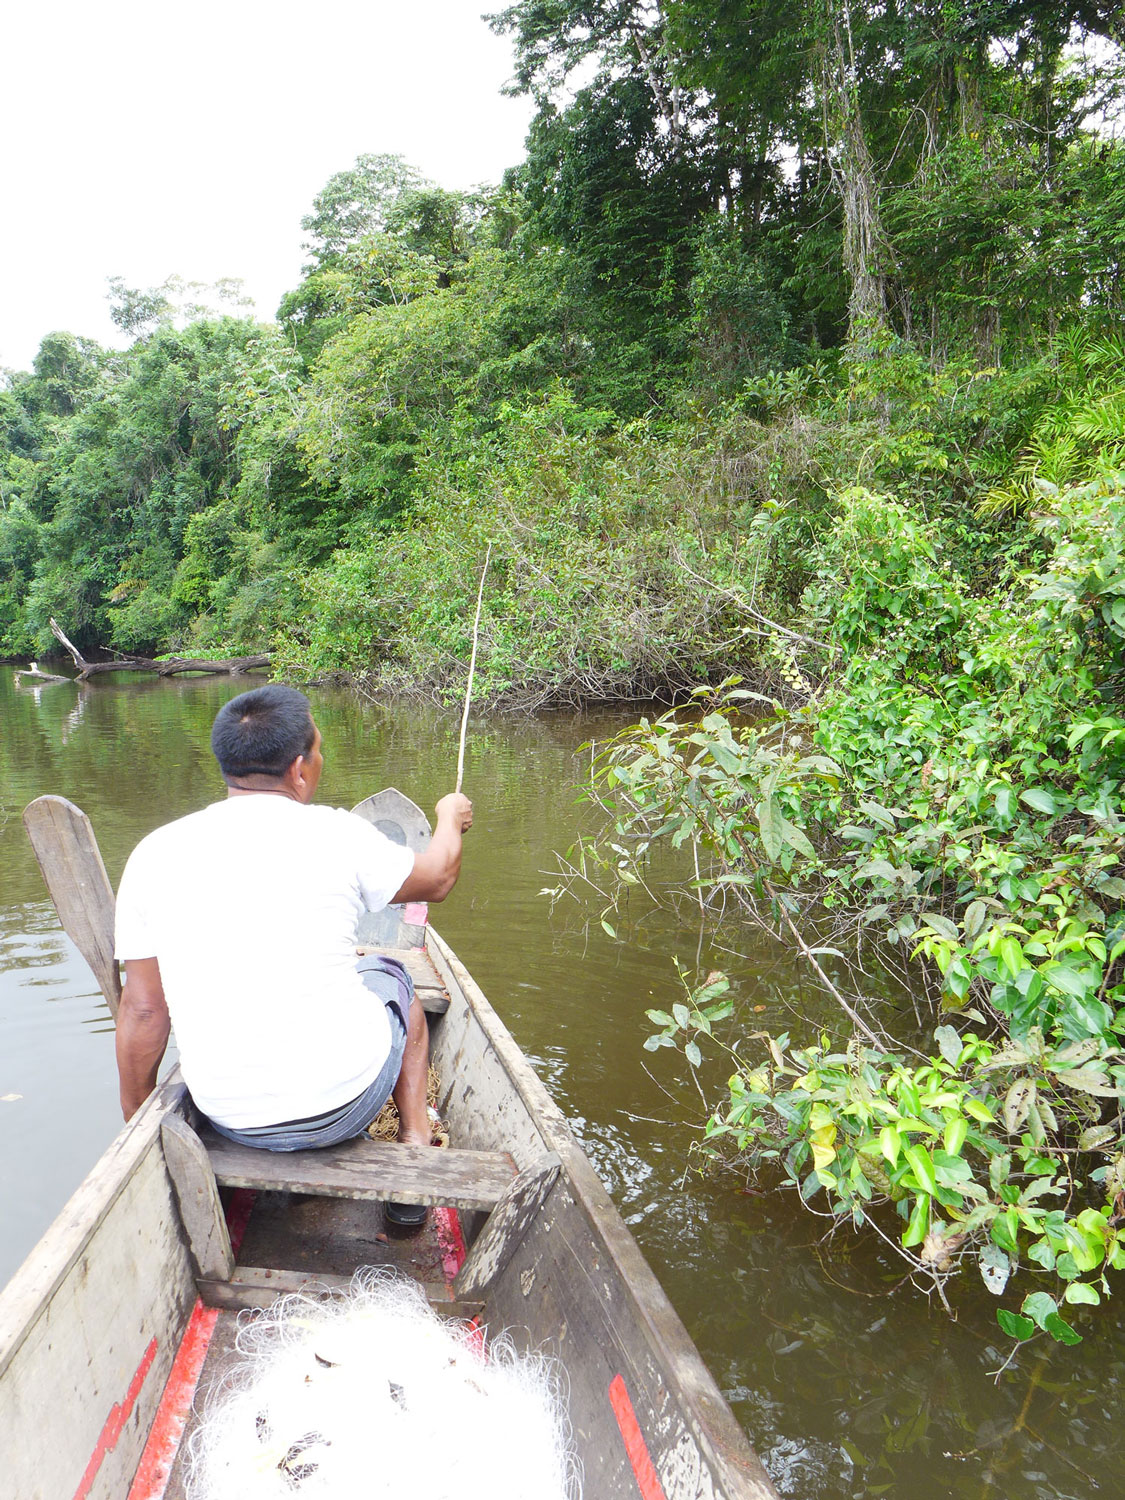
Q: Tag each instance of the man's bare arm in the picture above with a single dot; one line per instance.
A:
(143, 1027)
(436, 869)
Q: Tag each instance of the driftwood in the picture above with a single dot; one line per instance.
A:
(230, 666)
(33, 674)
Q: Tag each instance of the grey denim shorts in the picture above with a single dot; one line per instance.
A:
(387, 979)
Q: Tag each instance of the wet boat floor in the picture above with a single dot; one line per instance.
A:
(323, 1236)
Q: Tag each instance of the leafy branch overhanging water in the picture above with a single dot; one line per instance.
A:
(945, 780)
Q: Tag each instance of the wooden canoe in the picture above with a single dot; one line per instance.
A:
(123, 1315)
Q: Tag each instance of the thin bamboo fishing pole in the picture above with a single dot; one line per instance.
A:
(472, 670)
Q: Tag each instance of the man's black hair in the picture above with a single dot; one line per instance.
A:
(261, 733)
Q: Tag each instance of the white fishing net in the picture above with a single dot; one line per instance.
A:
(371, 1394)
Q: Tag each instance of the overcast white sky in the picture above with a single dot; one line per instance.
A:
(143, 139)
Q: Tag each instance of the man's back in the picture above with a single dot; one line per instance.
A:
(250, 906)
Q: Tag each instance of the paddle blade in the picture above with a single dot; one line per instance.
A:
(403, 822)
(68, 855)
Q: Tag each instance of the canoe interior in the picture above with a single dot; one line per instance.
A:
(90, 1325)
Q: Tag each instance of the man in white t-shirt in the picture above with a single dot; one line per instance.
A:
(237, 925)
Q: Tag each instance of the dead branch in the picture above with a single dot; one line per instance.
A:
(171, 667)
(33, 674)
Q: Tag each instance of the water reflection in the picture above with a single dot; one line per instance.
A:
(848, 1382)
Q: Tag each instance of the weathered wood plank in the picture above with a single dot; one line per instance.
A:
(369, 1170)
(418, 964)
(30, 1290)
(71, 862)
(197, 1196)
(509, 1222)
(435, 1002)
(90, 1327)
(260, 1286)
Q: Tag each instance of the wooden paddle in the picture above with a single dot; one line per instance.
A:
(68, 855)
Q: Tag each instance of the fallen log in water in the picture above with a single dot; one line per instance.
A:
(168, 668)
(36, 675)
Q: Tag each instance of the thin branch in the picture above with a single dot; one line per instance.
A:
(472, 671)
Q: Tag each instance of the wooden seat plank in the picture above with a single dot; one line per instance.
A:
(428, 985)
(260, 1286)
(366, 1169)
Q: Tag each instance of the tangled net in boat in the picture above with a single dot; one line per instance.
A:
(368, 1393)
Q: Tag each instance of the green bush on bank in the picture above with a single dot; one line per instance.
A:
(951, 785)
(616, 554)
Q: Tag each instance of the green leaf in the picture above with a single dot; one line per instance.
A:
(1042, 1254)
(955, 1133)
(794, 837)
(978, 1110)
(882, 815)
(693, 1054)
(1015, 1326)
(857, 834)
(1011, 956)
(1039, 798)
(922, 1166)
(1061, 1331)
(608, 928)
(942, 926)
(1082, 1291)
(769, 824)
(949, 1043)
(1071, 981)
(976, 914)
(919, 1221)
(1039, 1306)
(1003, 1231)
(890, 1144)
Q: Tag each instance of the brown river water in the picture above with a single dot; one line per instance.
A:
(848, 1382)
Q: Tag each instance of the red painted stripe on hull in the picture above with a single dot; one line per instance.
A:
(238, 1215)
(155, 1469)
(648, 1481)
(451, 1242)
(152, 1475)
(115, 1424)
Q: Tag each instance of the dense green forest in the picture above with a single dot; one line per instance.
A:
(792, 352)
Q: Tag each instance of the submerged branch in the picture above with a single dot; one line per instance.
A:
(170, 667)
